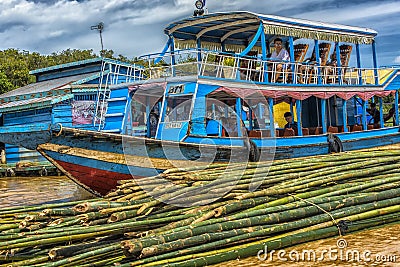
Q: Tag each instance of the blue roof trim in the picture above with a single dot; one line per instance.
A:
(67, 65)
(90, 78)
(82, 62)
(34, 103)
(61, 98)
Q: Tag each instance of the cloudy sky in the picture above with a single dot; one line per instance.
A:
(134, 27)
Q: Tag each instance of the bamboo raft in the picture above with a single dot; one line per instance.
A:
(298, 200)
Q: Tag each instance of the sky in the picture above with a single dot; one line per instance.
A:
(133, 28)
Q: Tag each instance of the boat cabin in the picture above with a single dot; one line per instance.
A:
(218, 80)
(66, 94)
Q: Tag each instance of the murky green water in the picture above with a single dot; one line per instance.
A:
(18, 191)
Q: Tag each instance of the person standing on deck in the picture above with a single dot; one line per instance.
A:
(290, 122)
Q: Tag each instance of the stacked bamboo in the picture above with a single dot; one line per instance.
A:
(297, 200)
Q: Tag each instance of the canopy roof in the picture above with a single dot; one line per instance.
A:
(224, 92)
(238, 28)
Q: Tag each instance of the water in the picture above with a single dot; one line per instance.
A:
(19, 191)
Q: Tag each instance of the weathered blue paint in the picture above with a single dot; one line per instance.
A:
(271, 116)
(20, 154)
(199, 109)
(364, 115)
(344, 114)
(102, 165)
(224, 141)
(381, 120)
(323, 116)
(116, 110)
(299, 118)
(28, 136)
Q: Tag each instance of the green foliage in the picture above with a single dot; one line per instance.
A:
(16, 64)
(5, 83)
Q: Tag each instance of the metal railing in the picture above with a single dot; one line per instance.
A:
(112, 73)
(233, 67)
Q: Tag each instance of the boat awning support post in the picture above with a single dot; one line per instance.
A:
(323, 116)
(339, 63)
(317, 56)
(345, 116)
(238, 116)
(291, 48)
(264, 49)
(381, 120)
(198, 50)
(172, 50)
(253, 42)
(374, 57)
(364, 115)
(165, 49)
(250, 116)
(271, 116)
(359, 64)
(299, 123)
(396, 108)
(291, 107)
(148, 130)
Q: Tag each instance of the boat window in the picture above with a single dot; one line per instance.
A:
(178, 108)
(138, 112)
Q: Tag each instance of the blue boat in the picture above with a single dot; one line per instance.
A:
(217, 93)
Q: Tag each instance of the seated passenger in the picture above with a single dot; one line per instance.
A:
(390, 115)
(375, 114)
(280, 54)
(290, 123)
(304, 69)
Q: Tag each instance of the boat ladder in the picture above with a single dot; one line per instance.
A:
(112, 72)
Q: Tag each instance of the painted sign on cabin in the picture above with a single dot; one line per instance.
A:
(82, 112)
(176, 89)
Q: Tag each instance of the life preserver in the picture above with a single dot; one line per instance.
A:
(335, 144)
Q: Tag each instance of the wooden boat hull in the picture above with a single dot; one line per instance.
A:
(97, 160)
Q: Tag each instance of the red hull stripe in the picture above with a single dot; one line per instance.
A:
(100, 181)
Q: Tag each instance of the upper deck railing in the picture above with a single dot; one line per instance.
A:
(233, 67)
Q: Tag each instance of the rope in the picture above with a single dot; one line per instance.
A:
(61, 129)
(339, 225)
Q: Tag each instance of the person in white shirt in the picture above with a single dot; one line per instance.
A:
(280, 53)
